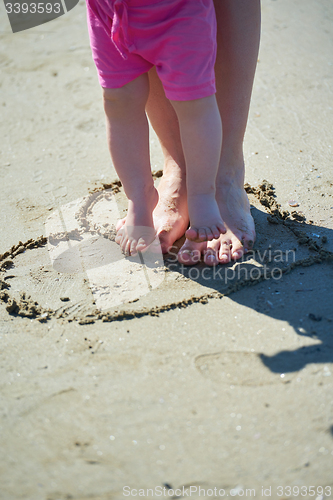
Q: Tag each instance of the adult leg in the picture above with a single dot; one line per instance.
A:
(171, 213)
(238, 24)
(128, 139)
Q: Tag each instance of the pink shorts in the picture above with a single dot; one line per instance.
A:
(129, 37)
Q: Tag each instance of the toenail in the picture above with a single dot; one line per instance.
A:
(185, 255)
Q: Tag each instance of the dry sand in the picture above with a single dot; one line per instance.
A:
(188, 377)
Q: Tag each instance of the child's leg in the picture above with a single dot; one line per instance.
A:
(128, 139)
(201, 135)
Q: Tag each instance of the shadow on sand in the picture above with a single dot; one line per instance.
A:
(292, 269)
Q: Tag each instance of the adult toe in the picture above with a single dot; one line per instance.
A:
(190, 253)
(211, 254)
(237, 249)
(165, 240)
(224, 252)
(211, 258)
(248, 242)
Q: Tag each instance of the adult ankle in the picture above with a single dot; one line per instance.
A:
(173, 168)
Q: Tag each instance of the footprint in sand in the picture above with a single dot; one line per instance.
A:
(238, 368)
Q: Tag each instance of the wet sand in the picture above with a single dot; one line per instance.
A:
(147, 373)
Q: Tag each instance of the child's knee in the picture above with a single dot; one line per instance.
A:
(134, 92)
(114, 95)
(116, 102)
(196, 108)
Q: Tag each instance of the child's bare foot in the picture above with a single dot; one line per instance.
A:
(240, 236)
(205, 218)
(137, 232)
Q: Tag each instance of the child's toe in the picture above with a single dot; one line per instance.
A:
(124, 246)
(192, 234)
(130, 247)
(133, 246)
(202, 234)
(221, 228)
(141, 245)
(118, 237)
(209, 233)
(120, 223)
(215, 231)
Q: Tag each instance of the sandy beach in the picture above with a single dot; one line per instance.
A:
(126, 374)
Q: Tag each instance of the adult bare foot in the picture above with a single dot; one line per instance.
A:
(240, 236)
(171, 213)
